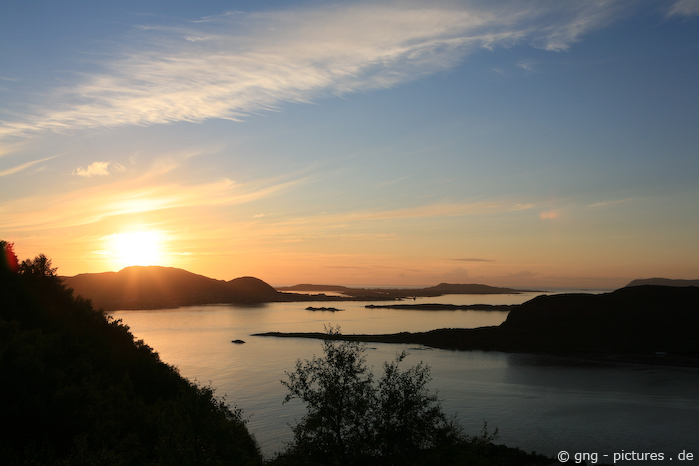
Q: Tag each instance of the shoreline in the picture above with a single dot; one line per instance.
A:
(415, 338)
(445, 307)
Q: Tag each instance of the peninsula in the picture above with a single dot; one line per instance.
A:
(444, 307)
(648, 323)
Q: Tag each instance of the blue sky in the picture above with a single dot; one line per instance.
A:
(521, 143)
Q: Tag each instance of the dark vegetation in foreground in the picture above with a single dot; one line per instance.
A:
(653, 324)
(77, 389)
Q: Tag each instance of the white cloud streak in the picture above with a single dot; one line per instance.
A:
(235, 64)
(612, 203)
(97, 169)
(24, 166)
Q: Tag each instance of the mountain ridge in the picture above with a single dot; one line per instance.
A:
(157, 287)
(153, 287)
(395, 293)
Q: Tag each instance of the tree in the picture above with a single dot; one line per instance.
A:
(350, 421)
(408, 418)
(8, 258)
(39, 267)
(340, 397)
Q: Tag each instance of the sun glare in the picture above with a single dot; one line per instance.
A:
(138, 248)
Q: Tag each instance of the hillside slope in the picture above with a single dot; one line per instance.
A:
(78, 389)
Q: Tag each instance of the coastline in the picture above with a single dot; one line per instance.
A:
(444, 307)
(419, 338)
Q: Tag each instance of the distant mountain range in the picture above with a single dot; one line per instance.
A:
(393, 293)
(155, 287)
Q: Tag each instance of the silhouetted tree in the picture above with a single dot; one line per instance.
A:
(408, 418)
(339, 395)
(350, 421)
(8, 258)
(39, 267)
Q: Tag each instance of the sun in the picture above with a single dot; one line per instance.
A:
(136, 248)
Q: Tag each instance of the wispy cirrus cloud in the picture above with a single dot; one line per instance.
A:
(441, 209)
(527, 65)
(96, 203)
(231, 65)
(684, 8)
(612, 203)
(24, 166)
(330, 221)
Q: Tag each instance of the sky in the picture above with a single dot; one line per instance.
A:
(544, 144)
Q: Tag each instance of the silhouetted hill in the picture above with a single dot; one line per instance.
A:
(253, 287)
(164, 287)
(663, 282)
(78, 390)
(639, 321)
(471, 288)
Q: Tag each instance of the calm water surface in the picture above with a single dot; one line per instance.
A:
(540, 403)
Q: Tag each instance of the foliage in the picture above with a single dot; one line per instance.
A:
(39, 267)
(8, 258)
(351, 421)
(339, 394)
(78, 389)
(408, 418)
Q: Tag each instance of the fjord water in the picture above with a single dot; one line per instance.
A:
(539, 403)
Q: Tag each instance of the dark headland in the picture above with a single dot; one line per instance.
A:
(656, 324)
(663, 282)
